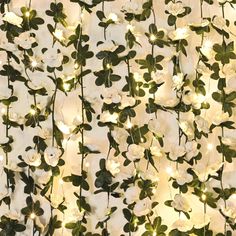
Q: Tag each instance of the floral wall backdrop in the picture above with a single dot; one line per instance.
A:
(117, 117)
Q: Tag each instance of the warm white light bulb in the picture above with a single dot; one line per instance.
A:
(66, 86)
(58, 34)
(27, 14)
(203, 197)
(154, 234)
(32, 112)
(129, 124)
(76, 66)
(61, 182)
(3, 110)
(169, 170)
(108, 66)
(32, 216)
(34, 63)
(87, 164)
(152, 37)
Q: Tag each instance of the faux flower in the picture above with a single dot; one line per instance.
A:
(200, 220)
(187, 128)
(156, 127)
(175, 8)
(113, 166)
(73, 215)
(219, 22)
(182, 225)
(12, 18)
(106, 117)
(52, 58)
(143, 207)
(120, 135)
(32, 158)
(52, 155)
(202, 124)
(179, 34)
(207, 49)
(181, 203)
(178, 81)
(230, 209)
(25, 40)
(135, 152)
(126, 101)
(220, 117)
(133, 7)
(191, 149)
(195, 99)
(156, 151)
(182, 176)
(176, 151)
(132, 194)
(111, 95)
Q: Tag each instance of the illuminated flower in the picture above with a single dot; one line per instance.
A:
(195, 99)
(113, 166)
(181, 203)
(182, 225)
(126, 101)
(199, 220)
(207, 49)
(113, 17)
(176, 151)
(133, 7)
(52, 155)
(143, 207)
(25, 40)
(220, 117)
(12, 18)
(135, 152)
(202, 124)
(111, 95)
(187, 128)
(132, 194)
(179, 34)
(73, 215)
(52, 58)
(32, 158)
(59, 34)
(106, 117)
(156, 127)
(191, 149)
(182, 176)
(230, 209)
(178, 81)
(120, 135)
(219, 22)
(156, 151)
(175, 8)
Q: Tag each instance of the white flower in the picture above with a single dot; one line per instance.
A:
(64, 128)
(52, 58)
(156, 127)
(207, 49)
(12, 18)
(202, 124)
(59, 34)
(120, 135)
(182, 176)
(56, 199)
(182, 225)
(220, 117)
(32, 158)
(178, 81)
(52, 155)
(44, 177)
(176, 151)
(112, 16)
(187, 128)
(191, 149)
(229, 141)
(203, 170)
(224, 1)
(135, 152)
(113, 166)
(106, 116)
(156, 151)
(133, 7)
(132, 194)
(181, 203)
(126, 101)
(73, 215)
(143, 207)
(13, 166)
(199, 220)
(196, 99)
(111, 95)
(219, 22)
(179, 34)
(175, 8)
(24, 40)
(203, 23)
(230, 209)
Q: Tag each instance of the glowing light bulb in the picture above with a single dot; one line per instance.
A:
(76, 66)
(63, 224)
(203, 197)
(27, 14)
(154, 190)
(34, 63)
(66, 86)
(113, 17)
(135, 222)
(129, 124)
(169, 170)
(154, 234)
(152, 37)
(210, 146)
(32, 215)
(1, 157)
(32, 112)
(108, 66)
(58, 34)
(87, 164)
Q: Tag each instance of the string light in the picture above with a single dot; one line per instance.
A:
(34, 63)
(27, 14)
(152, 38)
(87, 164)
(59, 34)
(76, 66)
(108, 66)
(32, 215)
(154, 234)
(66, 86)
(113, 17)
(32, 112)
(203, 197)
(169, 170)
(61, 182)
